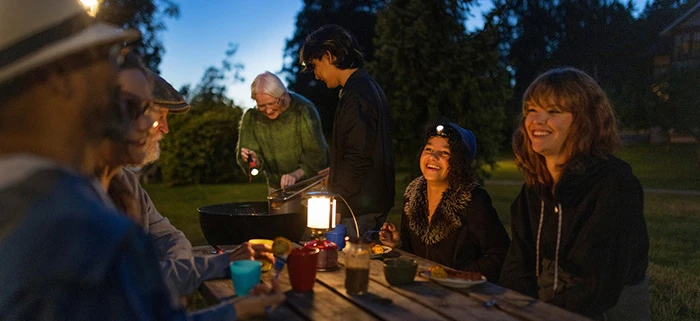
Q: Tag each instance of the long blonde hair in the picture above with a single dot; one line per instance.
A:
(593, 131)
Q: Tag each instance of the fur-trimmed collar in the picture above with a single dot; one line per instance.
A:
(446, 218)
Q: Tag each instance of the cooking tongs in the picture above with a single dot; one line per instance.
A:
(278, 195)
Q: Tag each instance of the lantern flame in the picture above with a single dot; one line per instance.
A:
(91, 6)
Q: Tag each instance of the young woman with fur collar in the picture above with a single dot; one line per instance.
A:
(447, 217)
(580, 240)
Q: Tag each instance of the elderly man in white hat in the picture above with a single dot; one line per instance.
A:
(64, 254)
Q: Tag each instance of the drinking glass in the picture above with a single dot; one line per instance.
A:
(356, 266)
(245, 274)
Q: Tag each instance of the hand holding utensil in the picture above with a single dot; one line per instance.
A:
(389, 235)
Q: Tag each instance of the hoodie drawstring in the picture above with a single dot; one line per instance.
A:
(556, 254)
(539, 232)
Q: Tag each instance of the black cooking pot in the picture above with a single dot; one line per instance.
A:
(235, 223)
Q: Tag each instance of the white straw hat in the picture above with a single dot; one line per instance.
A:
(34, 33)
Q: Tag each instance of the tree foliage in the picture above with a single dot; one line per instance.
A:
(600, 37)
(148, 16)
(201, 144)
(596, 36)
(200, 148)
(431, 68)
(356, 16)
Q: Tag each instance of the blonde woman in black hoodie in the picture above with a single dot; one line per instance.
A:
(580, 240)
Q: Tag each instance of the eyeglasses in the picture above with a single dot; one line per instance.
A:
(272, 105)
(133, 107)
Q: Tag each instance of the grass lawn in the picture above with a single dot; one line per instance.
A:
(673, 220)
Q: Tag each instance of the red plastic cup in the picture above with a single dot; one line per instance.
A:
(301, 265)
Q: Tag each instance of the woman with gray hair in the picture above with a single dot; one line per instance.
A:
(281, 135)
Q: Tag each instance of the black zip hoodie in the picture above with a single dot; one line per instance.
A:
(603, 238)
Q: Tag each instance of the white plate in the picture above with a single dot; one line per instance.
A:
(453, 282)
(387, 249)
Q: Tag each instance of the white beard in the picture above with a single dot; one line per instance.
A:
(152, 149)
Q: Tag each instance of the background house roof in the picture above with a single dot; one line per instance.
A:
(678, 21)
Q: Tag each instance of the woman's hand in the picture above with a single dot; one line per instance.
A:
(246, 152)
(258, 301)
(291, 178)
(325, 171)
(247, 251)
(389, 235)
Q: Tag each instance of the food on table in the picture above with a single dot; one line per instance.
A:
(464, 275)
(437, 272)
(377, 249)
(281, 246)
(440, 272)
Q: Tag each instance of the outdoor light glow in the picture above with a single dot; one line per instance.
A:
(254, 171)
(319, 213)
(91, 6)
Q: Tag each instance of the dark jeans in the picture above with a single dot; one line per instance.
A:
(366, 222)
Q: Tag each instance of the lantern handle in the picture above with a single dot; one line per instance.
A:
(357, 228)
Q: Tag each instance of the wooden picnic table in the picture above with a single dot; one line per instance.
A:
(421, 300)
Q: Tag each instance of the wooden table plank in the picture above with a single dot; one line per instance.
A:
(422, 300)
(445, 300)
(382, 302)
(320, 304)
(514, 303)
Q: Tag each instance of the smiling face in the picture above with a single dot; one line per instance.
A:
(434, 160)
(326, 71)
(268, 105)
(135, 96)
(547, 128)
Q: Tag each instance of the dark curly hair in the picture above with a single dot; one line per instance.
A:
(334, 39)
(461, 172)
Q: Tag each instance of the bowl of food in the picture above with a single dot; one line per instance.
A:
(400, 271)
(377, 250)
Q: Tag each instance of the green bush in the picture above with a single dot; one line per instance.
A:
(200, 148)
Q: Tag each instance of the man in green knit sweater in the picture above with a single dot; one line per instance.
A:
(282, 135)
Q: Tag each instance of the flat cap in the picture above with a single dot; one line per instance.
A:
(165, 96)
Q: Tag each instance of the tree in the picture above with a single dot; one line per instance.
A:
(596, 36)
(431, 68)
(145, 15)
(200, 148)
(210, 93)
(356, 16)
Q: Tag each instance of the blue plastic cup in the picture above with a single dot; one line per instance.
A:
(341, 228)
(245, 275)
(337, 238)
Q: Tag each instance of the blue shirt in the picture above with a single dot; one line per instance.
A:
(65, 256)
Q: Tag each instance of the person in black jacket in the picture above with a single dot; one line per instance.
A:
(580, 240)
(447, 217)
(361, 157)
